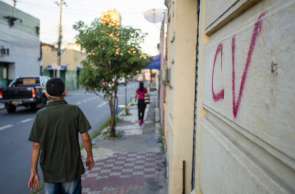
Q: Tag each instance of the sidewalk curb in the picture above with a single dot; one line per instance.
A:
(98, 132)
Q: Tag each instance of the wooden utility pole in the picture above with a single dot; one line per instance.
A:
(59, 42)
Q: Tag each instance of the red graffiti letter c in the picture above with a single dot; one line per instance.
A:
(219, 95)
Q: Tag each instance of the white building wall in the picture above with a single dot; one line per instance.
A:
(23, 43)
(246, 128)
(24, 51)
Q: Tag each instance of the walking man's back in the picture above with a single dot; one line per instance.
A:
(55, 137)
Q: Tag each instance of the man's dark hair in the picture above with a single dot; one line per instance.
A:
(55, 87)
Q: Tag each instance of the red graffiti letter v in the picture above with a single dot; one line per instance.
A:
(256, 31)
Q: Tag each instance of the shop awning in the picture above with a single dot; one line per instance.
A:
(155, 63)
(50, 67)
(63, 67)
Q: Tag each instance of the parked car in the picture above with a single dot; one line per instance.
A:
(24, 91)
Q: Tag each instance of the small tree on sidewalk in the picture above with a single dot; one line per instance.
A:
(112, 52)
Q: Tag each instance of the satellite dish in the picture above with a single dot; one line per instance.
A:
(154, 15)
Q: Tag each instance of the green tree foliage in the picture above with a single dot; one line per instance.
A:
(112, 53)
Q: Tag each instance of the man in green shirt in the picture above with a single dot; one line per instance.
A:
(55, 138)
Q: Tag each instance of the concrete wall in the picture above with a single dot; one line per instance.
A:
(70, 57)
(49, 55)
(73, 58)
(163, 76)
(245, 127)
(24, 23)
(179, 107)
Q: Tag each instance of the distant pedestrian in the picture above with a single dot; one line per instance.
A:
(141, 94)
(55, 137)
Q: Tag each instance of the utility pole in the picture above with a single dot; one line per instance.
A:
(14, 7)
(14, 3)
(59, 42)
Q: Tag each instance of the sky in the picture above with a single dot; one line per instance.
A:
(87, 10)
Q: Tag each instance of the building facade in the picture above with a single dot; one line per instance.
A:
(229, 103)
(19, 44)
(71, 59)
(178, 86)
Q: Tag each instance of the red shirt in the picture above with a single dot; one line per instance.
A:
(141, 93)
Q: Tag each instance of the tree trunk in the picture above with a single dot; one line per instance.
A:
(112, 123)
(112, 104)
(126, 99)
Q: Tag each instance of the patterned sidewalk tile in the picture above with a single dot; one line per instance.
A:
(130, 130)
(123, 173)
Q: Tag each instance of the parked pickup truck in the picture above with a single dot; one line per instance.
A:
(24, 91)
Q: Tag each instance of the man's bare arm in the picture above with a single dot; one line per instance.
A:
(35, 157)
(34, 178)
(88, 147)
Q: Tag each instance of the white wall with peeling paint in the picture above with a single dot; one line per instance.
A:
(246, 108)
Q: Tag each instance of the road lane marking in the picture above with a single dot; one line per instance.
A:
(5, 127)
(78, 103)
(102, 104)
(26, 120)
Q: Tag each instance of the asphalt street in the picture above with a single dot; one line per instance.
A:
(15, 149)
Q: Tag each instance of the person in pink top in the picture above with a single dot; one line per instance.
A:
(141, 92)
